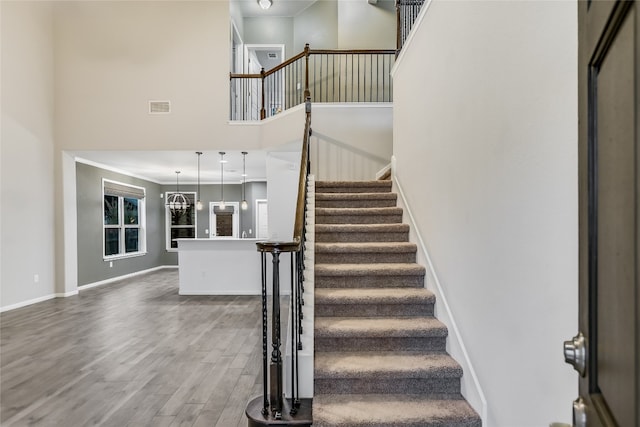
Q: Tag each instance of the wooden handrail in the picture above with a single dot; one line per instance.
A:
(352, 51)
(298, 227)
(314, 52)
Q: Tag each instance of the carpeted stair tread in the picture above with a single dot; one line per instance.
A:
(386, 269)
(373, 296)
(390, 232)
(388, 410)
(366, 247)
(352, 186)
(355, 200)
(379, 327)
(359, 228)
(358, 211)
(385, 365)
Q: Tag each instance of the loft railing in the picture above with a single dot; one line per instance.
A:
(407, 12)
(272, 406)
(324, 75)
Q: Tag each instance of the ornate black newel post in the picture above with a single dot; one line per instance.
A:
(276, 354)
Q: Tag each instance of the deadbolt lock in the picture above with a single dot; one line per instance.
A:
(575, 353)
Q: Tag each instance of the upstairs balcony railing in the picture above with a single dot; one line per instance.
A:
(407, 12)
(323, 75)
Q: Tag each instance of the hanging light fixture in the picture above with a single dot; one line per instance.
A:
(265, 4)
(177, 201)
(222, 162)
(199, 203)
(244, 205)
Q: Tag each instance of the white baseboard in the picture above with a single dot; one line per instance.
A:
(383, 171)
(125, 276)
(28, 302)
(80, 288)
(470, 384)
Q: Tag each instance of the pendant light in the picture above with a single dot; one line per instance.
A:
(222, 162)
(244, 205)
(177, 201)
(199, 203)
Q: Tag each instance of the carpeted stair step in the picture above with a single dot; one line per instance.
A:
(362, 233)
(370, 252)
(391, 410)
(355, 200)
(358, 215)
(379, 334)
(433, 374)
(353, 186)
(369, 302)
(393, 275)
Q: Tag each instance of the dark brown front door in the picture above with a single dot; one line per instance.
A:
(609, 153)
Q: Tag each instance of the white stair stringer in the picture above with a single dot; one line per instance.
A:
(305, 356)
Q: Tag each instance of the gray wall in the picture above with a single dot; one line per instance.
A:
(91, 267)
(317, 25)
(270, 30)
(232, 193)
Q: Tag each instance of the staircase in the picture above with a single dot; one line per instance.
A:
(380, 357)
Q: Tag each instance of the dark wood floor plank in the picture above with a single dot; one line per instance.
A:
(132, 353)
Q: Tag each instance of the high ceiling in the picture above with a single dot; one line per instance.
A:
(160, 166)
(250, 8)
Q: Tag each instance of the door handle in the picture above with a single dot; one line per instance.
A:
(575, 353)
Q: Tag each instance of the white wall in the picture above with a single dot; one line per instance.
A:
(27, 223)
(317, 25)
(485, 143)
(366, 26)
(350, 142)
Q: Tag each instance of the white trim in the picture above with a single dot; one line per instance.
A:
(116, 170)
(321, 105)
(409, 40)
(235, 230)
(26, 303)
(126, 276)
(383, 171)
(474, 394)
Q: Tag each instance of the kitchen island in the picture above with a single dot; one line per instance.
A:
(219, 266)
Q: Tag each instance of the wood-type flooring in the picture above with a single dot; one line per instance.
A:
(131, 353)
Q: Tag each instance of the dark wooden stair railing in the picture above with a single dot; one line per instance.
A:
(272, 408)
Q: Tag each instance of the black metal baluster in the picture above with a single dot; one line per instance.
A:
(265, 407)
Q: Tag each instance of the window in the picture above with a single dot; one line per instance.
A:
(180, 224)
(124, 220)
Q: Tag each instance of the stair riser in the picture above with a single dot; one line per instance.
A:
(377, 310)
(358, 219)
(369, 281)
(364, 258)
(337, 237)
(356, 203)
(376, 385)
(431, 344)
(376, 189)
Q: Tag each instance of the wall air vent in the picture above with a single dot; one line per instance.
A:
(272, 55)
(159, 107)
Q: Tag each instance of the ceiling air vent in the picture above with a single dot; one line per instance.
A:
(159, 107)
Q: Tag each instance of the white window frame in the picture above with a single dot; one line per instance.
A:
(141, 226)
(235, 219)
(167, 221)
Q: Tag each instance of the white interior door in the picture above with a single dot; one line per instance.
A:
(262, 223)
